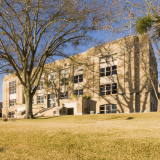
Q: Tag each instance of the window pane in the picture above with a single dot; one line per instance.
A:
(102, 112)
(108, 87)
(114, 67)
(76, 81)
(114, 72)
(50, 96)
(81, 92)
(114, 91)
(102, 70)
(76, 92)
(102, 88)
(114, 86)
(102, 93)
(108, 92)
(102, 108)
(75, 77)
(102, 74)
(81, 76)
(107, 106)
(108, 69)
(108, 73)
(107, 111)
(114, 111)
(114, 106)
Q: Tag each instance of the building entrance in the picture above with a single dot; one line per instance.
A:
(51, 100)
(70, 111)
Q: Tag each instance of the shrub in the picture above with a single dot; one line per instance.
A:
(84, 96)
(74, 96)
(5, 119)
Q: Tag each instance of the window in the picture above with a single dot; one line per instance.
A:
(64, 81)
(114, 88)
(108, 108)
(41, 85)
(78, 78)
(40, 99)
(114, 108)
(79, 93)
(51, 100)
(64, 95)
(12, 87)
(114, 70)
(108, 71)
(32, 100)
(108, 89)
(64, 77)
(102, 72)
(12, 102)
(78, 69)
(51, 80)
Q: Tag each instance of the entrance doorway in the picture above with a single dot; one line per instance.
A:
(70, 111)
(51, 100)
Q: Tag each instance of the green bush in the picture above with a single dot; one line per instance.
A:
(84, 96)
(74, 96)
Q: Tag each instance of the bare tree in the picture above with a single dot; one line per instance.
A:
(33, 31)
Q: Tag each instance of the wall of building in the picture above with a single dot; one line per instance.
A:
(133, 65)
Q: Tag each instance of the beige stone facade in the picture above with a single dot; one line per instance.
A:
(112, 78)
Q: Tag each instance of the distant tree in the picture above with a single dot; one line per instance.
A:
(33, 31)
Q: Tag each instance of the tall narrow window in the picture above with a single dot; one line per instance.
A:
(102, 72)
(12, 87)
(114, 88)
(102, 90)
(108, 71)
(41, 85)
(78, 74)
(51, 80)
(41, 99)
(108, 89)
(114, 70)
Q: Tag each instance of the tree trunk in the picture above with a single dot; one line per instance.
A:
(28, 100)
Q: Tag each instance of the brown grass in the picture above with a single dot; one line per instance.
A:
(113, 136)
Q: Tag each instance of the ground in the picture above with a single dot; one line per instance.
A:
(110, 136)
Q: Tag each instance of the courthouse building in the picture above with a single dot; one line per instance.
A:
(116, 77)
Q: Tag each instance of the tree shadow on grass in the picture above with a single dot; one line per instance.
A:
(1, 149)
(41, 117)
(115, 117)
(129, 118)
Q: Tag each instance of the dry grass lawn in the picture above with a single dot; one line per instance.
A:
(100, 137)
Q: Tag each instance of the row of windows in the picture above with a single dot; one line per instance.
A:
(108, 108)
(108, 89)
(12, 86)
(12, 102)
(108, 71)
